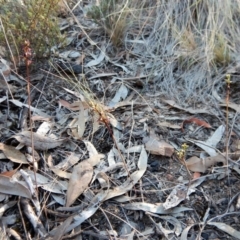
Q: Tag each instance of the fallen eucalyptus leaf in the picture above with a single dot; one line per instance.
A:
(197, 121)
(234, 106)
(209, 145)
(13, 187)
(40, 142)
(190, 110)
(133, 179)
(77, 125)
(13, 154)
(78, 182)
(78, 219)
(48, 184)
(35, 110)
(154, 208)
(184, 234)
(226, 228)
(98, 60)
(121, 94)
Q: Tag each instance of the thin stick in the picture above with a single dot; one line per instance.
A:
(23, 223)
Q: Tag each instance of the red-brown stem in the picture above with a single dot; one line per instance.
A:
(228, 81)
(28, 61)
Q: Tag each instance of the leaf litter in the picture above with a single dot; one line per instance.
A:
(113, 181)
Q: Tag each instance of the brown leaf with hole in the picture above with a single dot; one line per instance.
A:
(13, 154)
(40, 142)
(196, 164)
(80, 178)
(196, 121)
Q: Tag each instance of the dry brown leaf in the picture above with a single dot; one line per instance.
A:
(96, 124)
(66, 104)
(13, 154)
(41, 118)
(75, 106)
(196, 121)
(40, 142)
(80, 178)
(157, 147)
(95, 159)
(61, 173)
(81, 121)
(68, 162)
(9, 173)
(196, 164)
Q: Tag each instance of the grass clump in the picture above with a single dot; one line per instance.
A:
(31, 20)
(112, 16)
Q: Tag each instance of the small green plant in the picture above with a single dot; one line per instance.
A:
(182, 152)
(32, 20)
(221, 51)
(112, 16)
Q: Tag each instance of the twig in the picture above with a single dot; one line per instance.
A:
(23, 222)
